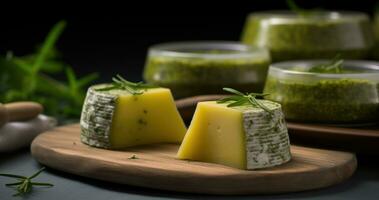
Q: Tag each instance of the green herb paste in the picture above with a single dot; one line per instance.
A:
(196, 76)
(326, 101)
(375, 50)
(307, 37)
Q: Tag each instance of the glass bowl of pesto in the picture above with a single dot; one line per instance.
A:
(375, 23)
(319, 92)
(314, 35)
(204, 67)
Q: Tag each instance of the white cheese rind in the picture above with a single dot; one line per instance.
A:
(96, 118)
(266, 136)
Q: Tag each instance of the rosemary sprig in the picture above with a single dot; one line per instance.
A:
(240, 99)
(119, 83)
(295, 8)
(301, 11)
(334, 66)
(25, 184)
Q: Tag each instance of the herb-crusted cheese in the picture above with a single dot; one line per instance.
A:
(244, 137)
(116, 119)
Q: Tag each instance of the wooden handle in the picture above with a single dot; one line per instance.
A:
(19, 111)
(187, 106)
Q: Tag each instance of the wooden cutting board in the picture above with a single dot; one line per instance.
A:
(157, 167)
(361, 140)
(356, 139)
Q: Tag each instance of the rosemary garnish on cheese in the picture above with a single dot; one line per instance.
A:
(241, 99)
(119, 83)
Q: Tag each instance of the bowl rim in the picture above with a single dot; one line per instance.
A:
(280, 67)
(328, 15)
(238, 50)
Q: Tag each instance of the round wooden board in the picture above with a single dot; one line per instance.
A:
(360, 140)
(356, 139)
(157, 167)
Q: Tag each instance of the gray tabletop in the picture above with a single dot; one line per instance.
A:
(363, 185)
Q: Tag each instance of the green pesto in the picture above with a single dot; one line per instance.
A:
(326, 101)
(375, 24)
(196, 76)
(310, 38)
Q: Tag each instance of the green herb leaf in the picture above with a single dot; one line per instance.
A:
(13, 184)
(48, 44)
(82, 82)
(231, 90)
(119, 83)
(301, 11)
(25, 184)
(241, 99)
(12, 176)
(294, 7)
(42, 184)
(334, 66)
(231, 98)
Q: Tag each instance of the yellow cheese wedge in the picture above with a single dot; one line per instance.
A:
(240, 137)
(148, 118)
(116, 119)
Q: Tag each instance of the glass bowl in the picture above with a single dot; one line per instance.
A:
(375, 24)
(349, 97)
(196, 68)
(291, 36)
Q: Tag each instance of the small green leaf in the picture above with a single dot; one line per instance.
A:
(87, 79)
(231, 90)
(294, 7)
(226, 99)
(37, 173)
(71, 78)
(334, 66)
(48, 44)
(23, 65)
(239, 102)
(241, 99)
(120, 83)
(43, 184)
(13, 176)
(301, 11)
(258, 94)
(13, 184)
(256, 102)
(25, 184)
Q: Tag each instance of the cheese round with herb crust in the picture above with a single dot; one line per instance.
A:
(244, 137)
(115, 119)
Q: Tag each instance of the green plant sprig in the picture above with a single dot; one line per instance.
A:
(32, 77)
(334, 66)
(301, 11)
(119, 83)
(24, 185)
(240, 99)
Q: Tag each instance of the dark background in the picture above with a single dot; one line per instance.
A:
(114, 39)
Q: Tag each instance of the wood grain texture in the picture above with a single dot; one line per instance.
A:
(157, 167)
(356, 139)
(361, 140)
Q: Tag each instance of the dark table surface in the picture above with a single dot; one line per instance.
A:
(363, 185)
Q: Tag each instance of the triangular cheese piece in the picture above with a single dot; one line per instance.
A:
(242, 137)
(116, 119)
